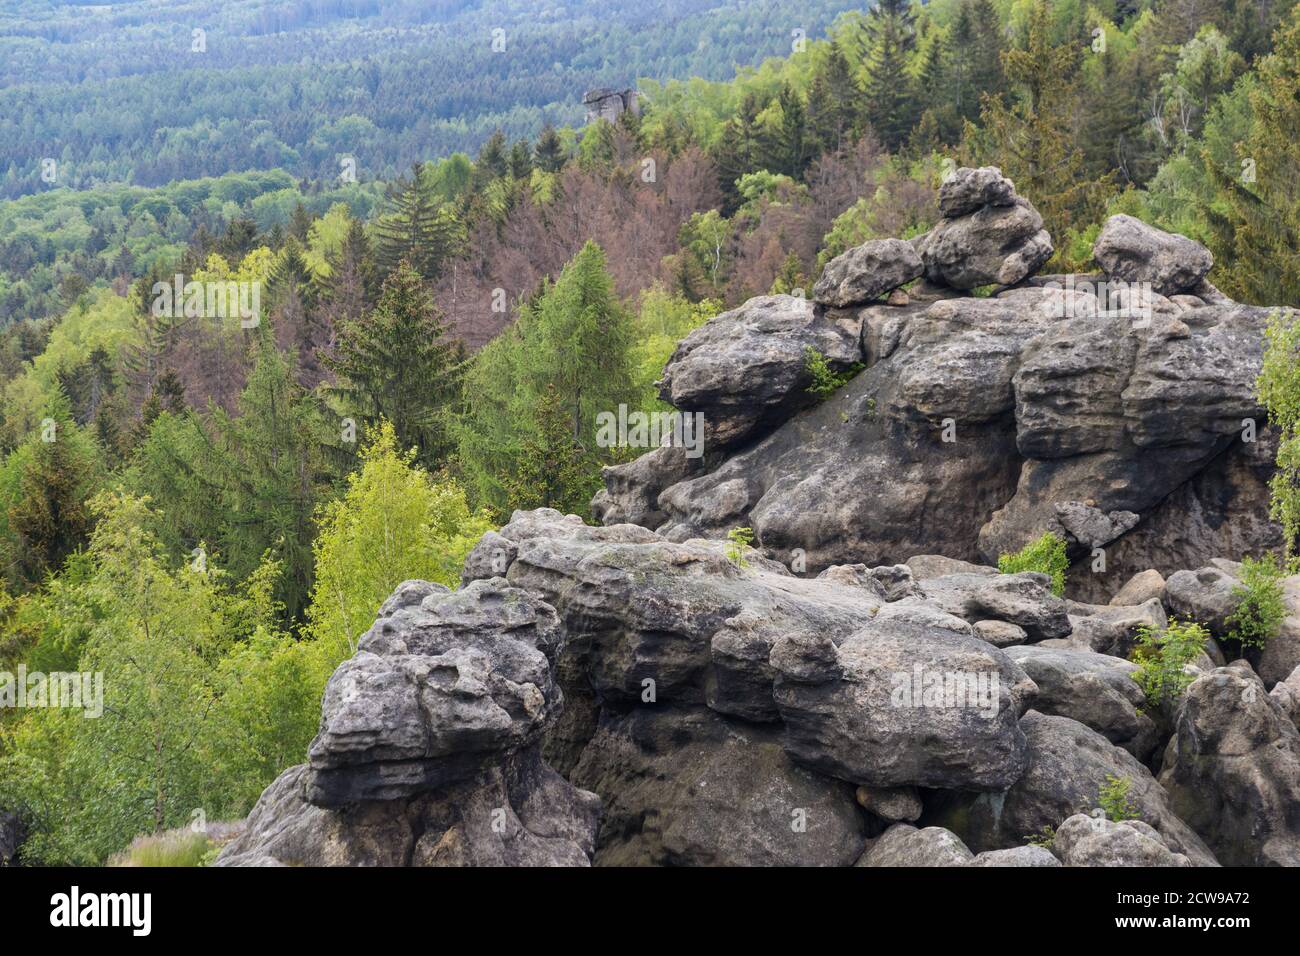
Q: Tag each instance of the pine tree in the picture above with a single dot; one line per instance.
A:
(564, 361)
(415, 229)
(1256, 217)
(891, 104)
(737, 151)
(786, 147)
(396, 363)
(549, 151)
(47, 516)
(553, 468)
(1033, 141)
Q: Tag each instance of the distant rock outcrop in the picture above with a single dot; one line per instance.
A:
(607, 104)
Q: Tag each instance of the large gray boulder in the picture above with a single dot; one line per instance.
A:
(1067, 764)
(1130, 250)
(691, 788)
(979, 424)
(1207, 596)
(1092, 840)
(746, 370)
(441, 686)
(521, 813)
(1095, 689)
(867, 272)
(913, 699)
(968, 190)
(903, 845)
(1233, 769)
(429, 747)
(995, 245)
(1280, 655)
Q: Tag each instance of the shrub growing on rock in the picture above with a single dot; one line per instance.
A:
(1162, 656)
(1045, 555)
(1260, 608)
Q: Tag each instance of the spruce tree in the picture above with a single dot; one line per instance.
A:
(415, 229)
(549, 151)
(396, 363)
(891, 104)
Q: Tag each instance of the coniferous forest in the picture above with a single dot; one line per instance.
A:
(456, 270)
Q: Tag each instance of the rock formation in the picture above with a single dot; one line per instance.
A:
(1091, 406)
(862, 687)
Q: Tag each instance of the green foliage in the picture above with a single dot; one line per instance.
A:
(396, 363)
(1045, 555)
(1260, 608)
(574, 338)
(1162, 656)
(1114, 799)
(394, 523)
(739, 541)
(1278, 388)
(825, 382)
(172, 848)
(1045, 838)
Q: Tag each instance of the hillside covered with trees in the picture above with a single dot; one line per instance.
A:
(223, 505)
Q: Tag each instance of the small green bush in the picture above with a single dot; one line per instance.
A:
(824, 381)
(738, 540)
(1045, 837)
(1114, 799)
(1260, 609)
(1045, 555)
(1161, 656)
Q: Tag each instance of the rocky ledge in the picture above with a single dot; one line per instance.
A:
(608, 695)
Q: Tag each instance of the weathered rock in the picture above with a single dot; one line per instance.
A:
(966, 190)
(1067, 764)
(867, 272)
(1206, 596)
(746, 370)
(903, 845)
(1142, 587)
(1114, 630)
(1280, 656)
(1092, 840)
(926, 566)
(1024, 599)
(694, 789)
(993, 245)
(1287, 695)
(520, 814)
(912, 699)
(1094, 689)
(1233, 769)
(1000, 633)
(428, 751)
(1133, 251)
(890, 803)
(440, 687)
(631, 492)
(1016, 856)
